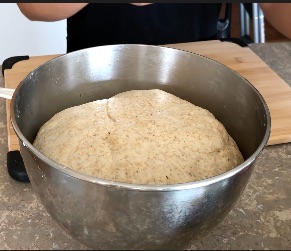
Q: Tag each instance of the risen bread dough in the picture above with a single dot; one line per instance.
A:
(140, 137)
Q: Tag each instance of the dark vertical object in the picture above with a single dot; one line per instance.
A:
(15, 165)
(223, 25)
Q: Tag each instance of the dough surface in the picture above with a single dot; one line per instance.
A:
(140, 137)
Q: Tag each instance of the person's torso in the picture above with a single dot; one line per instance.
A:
(155, 24)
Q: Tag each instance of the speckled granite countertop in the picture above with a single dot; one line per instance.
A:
(261, 219)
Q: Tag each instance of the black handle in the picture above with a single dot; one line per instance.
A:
(15, 166)
(240, 41)
(9, 62)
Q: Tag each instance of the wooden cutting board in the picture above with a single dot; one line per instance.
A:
(243, 60)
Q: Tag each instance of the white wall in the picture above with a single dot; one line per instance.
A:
(20, 36)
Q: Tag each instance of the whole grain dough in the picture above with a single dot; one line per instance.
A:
(140, 137)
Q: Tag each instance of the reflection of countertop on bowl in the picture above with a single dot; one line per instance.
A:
(260, 219)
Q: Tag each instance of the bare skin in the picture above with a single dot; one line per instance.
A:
(278, 14)
(53, 11)
(50, 11)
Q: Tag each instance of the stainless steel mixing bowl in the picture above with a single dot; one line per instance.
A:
(110, 215)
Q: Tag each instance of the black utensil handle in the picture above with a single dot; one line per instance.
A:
(9, 62)
(239, 41)
(15, 166)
